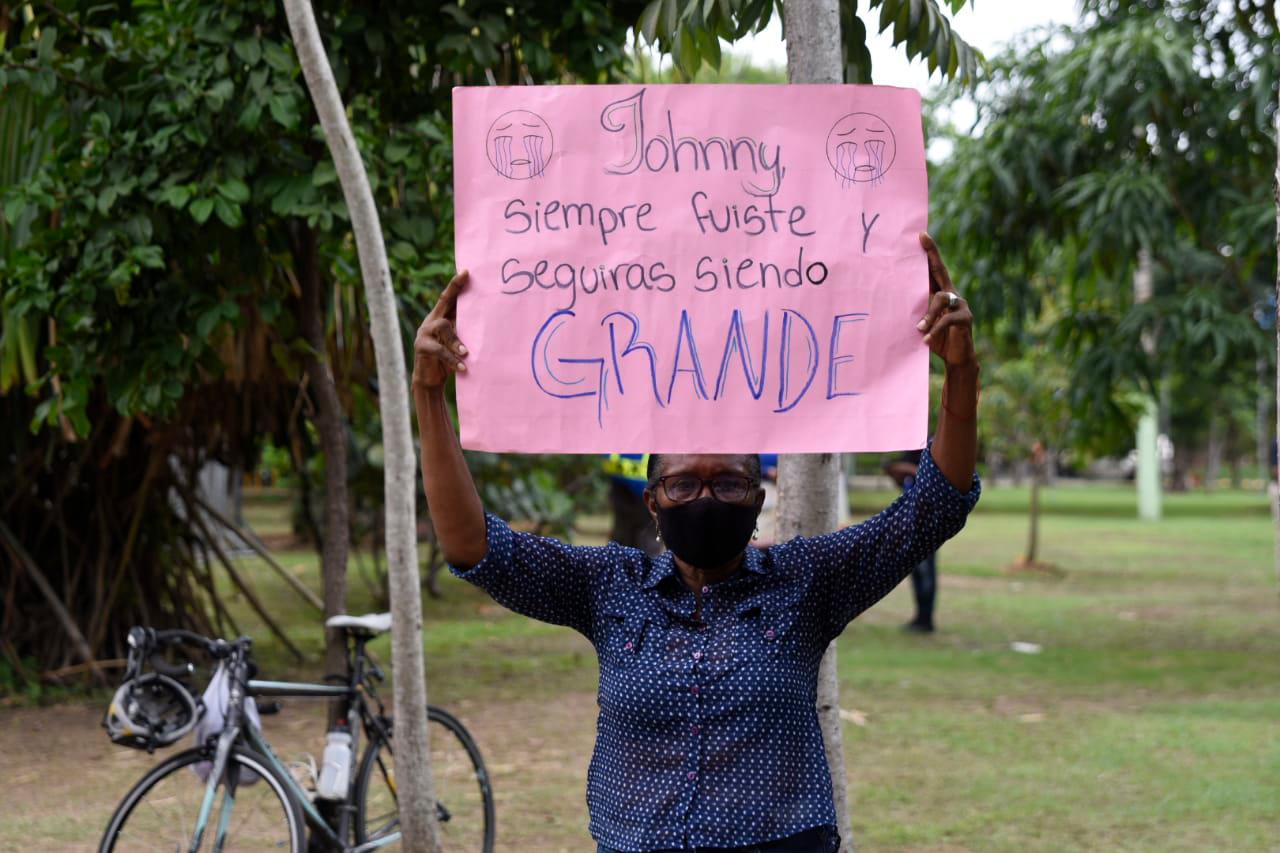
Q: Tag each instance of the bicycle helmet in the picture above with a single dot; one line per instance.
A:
(151, 710)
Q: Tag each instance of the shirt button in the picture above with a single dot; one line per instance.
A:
(768, 635)
(694, 690)
(697, 655)
(695, 730)
(706, 590)
(692, 775)
(628, 646)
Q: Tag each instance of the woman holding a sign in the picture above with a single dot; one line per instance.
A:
(708, 736)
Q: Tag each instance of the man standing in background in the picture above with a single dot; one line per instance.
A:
(924, 577)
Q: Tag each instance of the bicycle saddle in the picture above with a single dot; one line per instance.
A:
(367, 625)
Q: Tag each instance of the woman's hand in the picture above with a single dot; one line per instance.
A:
(452, 499)
(947, 325)
(437, 352)
(948, 330)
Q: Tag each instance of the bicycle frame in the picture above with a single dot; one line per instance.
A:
(234, 731)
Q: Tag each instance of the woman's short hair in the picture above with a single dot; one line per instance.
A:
(654, 470)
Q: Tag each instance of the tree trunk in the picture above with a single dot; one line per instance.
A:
(1033, 532)
(1269, 475)
(1213, 453)
(331, 423)
(1262, 415)
(807, 497)
(808, 485)
(1148, 476)
(413, 757)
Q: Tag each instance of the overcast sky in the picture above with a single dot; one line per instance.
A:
(987, 25)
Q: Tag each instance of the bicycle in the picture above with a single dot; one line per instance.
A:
(248, 798)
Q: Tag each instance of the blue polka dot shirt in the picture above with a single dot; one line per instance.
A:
(708, 732)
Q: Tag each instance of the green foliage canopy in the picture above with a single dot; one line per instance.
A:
(178, 149)
(691, 31)
(152, 211)
(1146, 128)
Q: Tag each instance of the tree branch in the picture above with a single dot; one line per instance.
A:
(21, 557)
(248, 537)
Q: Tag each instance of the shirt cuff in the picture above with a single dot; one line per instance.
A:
(932, 482)
(499, 540)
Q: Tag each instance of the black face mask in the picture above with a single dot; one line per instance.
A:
(707, 533)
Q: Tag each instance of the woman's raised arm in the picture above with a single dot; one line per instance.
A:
(856, 567)
(452, 499)
(948, 329)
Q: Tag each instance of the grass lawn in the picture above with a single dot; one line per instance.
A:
(1149, 720)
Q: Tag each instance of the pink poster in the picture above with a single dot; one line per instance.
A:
(689, 268)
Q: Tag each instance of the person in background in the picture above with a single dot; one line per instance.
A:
(924, 577)
(632, 524)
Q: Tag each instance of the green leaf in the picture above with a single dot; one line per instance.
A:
(939, 34)
(151, 257)
(221, 92)
(917, 13)
(901, 22)
(249, 51)
(201, 208)
(258, 80)
(250, 115)
(648, 24)
(686, 54)
(229, 213)
(324, 173)
(43, 414)
(396, 151)
(710, 48)
(234, 190)
(107, 197)
(79, 419)
(455, 11)
(888, 10)
(403, 251)
(208, 321)
(670, 19)
(284, 110)
(44, 48)
(13, 209)
(292, 197)
(278, 58)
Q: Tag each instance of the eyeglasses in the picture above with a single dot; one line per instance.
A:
(726, 488)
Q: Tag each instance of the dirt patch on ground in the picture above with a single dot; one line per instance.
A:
(63, 777)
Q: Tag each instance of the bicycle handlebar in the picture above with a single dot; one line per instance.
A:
(163, 667)
(145, 642)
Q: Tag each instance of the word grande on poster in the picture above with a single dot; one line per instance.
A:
(691, 268)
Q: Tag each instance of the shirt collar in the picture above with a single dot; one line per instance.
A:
(663, 566)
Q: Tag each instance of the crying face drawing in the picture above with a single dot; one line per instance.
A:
(519, 145)
(861, 148)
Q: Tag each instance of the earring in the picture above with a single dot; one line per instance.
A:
(756, 534)
(657, 536)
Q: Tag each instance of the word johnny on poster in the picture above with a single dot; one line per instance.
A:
(691, 268)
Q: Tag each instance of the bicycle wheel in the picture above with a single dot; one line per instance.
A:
(160, 812)
(464, 797)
